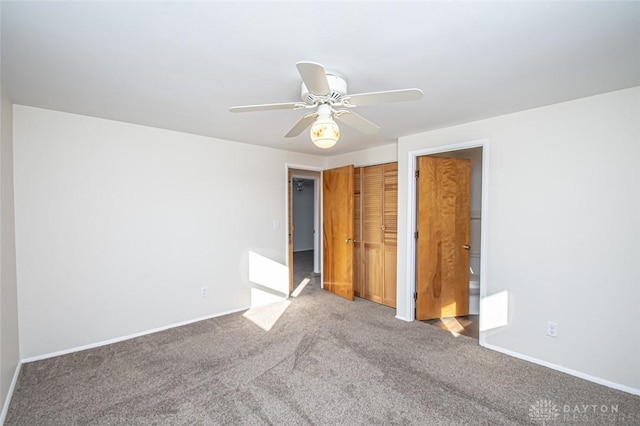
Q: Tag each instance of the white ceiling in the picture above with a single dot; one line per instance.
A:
(181, 65)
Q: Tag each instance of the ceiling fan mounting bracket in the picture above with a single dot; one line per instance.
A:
(337, 86)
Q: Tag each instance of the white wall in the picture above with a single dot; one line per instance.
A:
(9, 346)
(368, 157)
(303, 220)
(118, 226)
(563, 230)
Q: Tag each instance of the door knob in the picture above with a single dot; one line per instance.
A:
(348, 241)
(466, 246)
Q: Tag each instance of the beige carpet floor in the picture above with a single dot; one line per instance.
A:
(323, 361)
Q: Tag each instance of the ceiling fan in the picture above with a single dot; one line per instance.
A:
(326, 93)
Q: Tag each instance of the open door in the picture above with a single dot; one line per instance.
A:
(338, 231)
(442, 246)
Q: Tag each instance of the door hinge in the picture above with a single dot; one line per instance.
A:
(415, 235)
(415, 296)
(417, 174)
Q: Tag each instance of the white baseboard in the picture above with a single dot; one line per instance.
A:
(7, 400)
(127, 337)
(562, 369)
(403, 318)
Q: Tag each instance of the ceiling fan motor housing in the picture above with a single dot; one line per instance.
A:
(337, 89)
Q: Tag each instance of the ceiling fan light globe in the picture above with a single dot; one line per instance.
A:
(324, 133)
(325, 143)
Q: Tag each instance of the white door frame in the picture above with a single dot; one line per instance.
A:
(411, 220)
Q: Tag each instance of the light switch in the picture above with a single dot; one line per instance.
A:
(276, 224)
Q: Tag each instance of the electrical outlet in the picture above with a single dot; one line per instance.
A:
(552, 329)
(204, 291)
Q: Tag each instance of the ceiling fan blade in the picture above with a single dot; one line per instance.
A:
(357, 121)
(372, 98)
(267, 107)
(301, 125)
(314, 77)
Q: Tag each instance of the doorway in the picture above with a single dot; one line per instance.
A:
(303, 229)
(468, 256)
(303, 202)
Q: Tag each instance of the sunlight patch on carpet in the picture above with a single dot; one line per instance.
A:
(266, 316)
(300, 287)
(262, 296)
(452, 326)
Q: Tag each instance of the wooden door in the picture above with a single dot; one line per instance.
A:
(338, 231)
(290, 229)
(373, 232)
(358, 264)
(390, 228)
(376, 229)
(442, 248)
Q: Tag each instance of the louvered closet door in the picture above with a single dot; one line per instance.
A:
(390, 236)
(372, 230)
